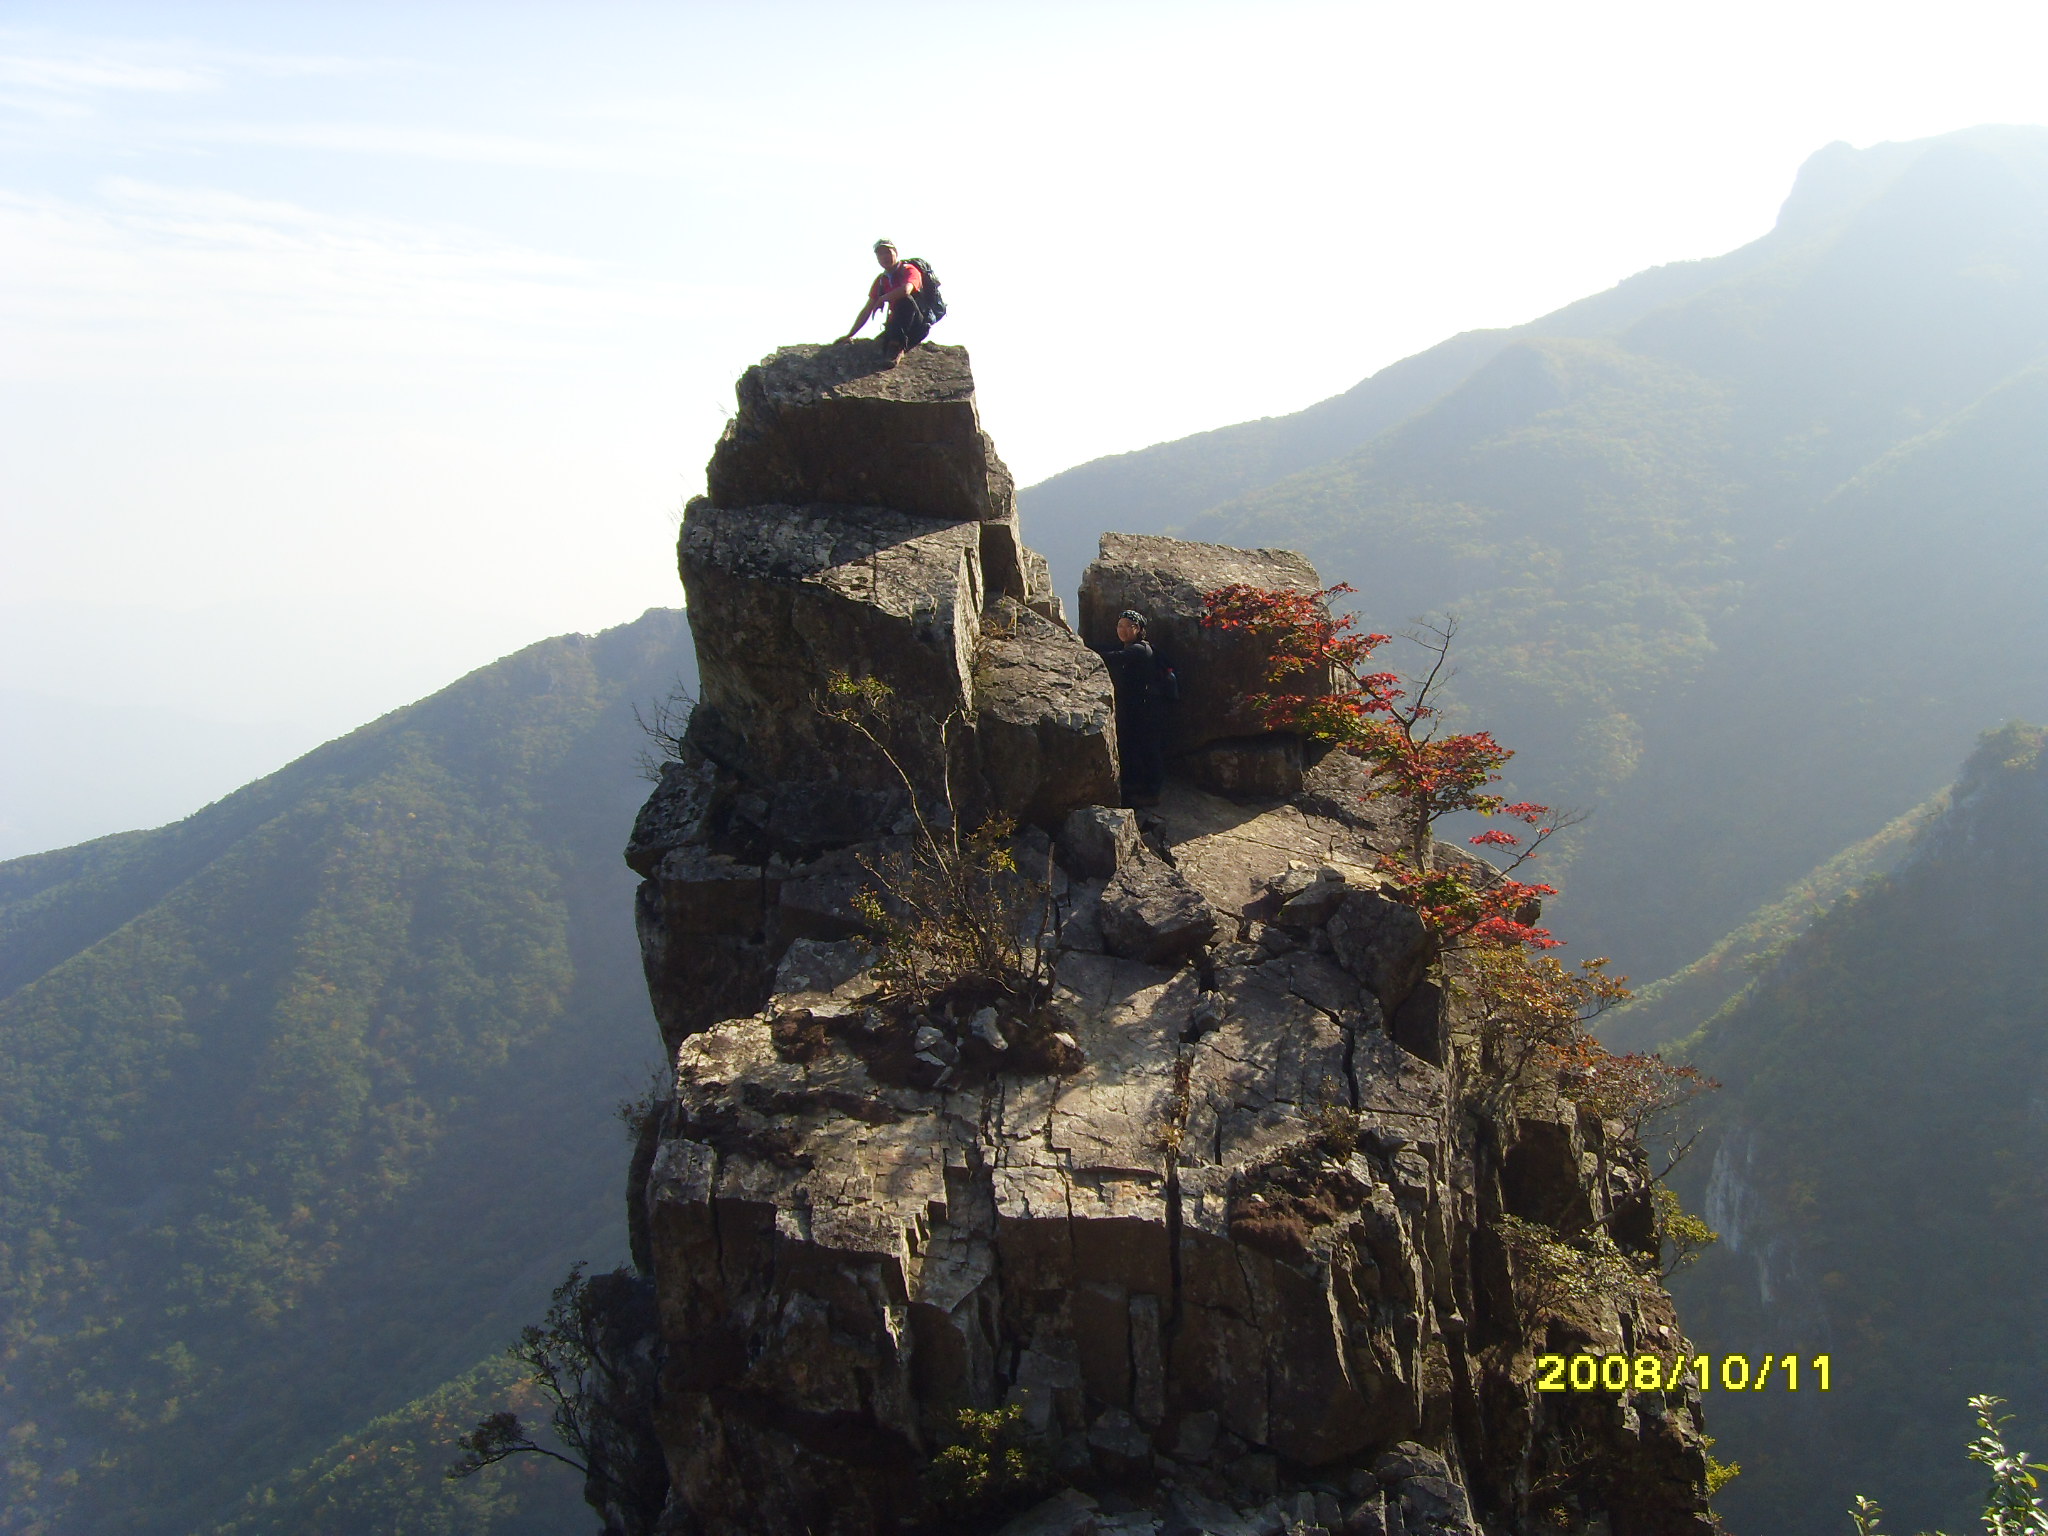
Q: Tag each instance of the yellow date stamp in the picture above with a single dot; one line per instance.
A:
(1654, 1373)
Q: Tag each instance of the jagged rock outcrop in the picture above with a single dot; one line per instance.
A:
(798, 567)
(1149, 912)
(834, 424)
(1045, 718)
(1206, 1205)
(788, 595)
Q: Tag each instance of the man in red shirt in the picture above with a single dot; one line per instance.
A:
(896, 287)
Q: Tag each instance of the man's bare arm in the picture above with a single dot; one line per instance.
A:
(854, 329)
(879, 301)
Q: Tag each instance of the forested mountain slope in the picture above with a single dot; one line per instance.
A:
(305, 1101)
(1153, 488)
(1741, 548)
(1875, 1166)
(1664, 1013)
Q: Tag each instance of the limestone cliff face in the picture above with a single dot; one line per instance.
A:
(1214, 1212)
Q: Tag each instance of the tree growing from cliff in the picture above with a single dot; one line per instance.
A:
(1530, 1015)
(1640, 1091)
(1320, 684)
(666, 725)
(1531, 1012)
(592, 1360)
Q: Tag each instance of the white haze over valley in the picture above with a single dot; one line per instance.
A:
(346, 347)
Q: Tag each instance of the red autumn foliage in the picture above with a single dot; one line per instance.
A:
(1531, 1011)
(1463, 908)
(1319, 684)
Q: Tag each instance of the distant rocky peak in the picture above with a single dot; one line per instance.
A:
(1839, 180)
(1997, 818)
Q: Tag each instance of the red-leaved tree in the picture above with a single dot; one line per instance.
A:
(1530, 1013)
(1320, 683)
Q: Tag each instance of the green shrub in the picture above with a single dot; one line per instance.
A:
(2012, 1503)
(996, 1462)
(953, 907)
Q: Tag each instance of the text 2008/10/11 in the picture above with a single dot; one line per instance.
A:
(1651, 1373)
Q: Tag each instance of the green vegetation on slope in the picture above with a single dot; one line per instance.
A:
(1713, 535)
(1665, 1014)
(388, 1476)
(1878, 1169)
(306, 1101)
(1153, 488)
(1578, 493)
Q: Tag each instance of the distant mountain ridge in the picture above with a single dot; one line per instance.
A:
(1658, 513)
(1167, 481)
(303, 1099)
(59, 786)
(1874, 1164)
(304, 1106)
(1666, 1015)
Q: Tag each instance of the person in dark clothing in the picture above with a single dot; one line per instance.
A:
(1140, 726)
(897, 288)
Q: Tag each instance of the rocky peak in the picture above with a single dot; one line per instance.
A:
(799, 567)
(831, 424)
(1200, 1208)
(1996, 821)
(837, 424)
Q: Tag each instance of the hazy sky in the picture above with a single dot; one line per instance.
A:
(346, 346)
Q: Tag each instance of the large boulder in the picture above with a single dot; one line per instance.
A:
(1383, 943)
(781, 598)
(1168, 581)
(1045, 720)
(837, 424)
(1150, 912)
(1096, 840)
(674, 813)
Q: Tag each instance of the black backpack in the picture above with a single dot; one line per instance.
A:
(927, 299)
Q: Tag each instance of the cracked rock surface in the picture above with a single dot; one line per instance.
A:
(1234, 1252)
(1211, 1215)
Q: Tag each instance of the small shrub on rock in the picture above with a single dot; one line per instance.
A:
(959, 912)
(997, 1463)
(953, 908)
